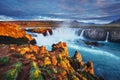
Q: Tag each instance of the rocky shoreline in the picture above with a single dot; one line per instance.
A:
(29, 62)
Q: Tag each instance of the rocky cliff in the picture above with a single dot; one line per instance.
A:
(11, 34)
(114, 36)
(95, 34)
(37, 63)
(44, 31)
(111, 35)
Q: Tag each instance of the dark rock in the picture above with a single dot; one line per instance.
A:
(33, 42)
(78, 32)
(89, 43)
(50, 31)
(45, 33)
(29, 30)
(95, 34)
(11, 40)
(114, 36)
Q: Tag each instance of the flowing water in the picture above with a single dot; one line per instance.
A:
(107, 37)
(106, 57)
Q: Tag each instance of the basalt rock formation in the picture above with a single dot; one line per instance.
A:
(44, 31)
(37, 63)
(11, 34)
(91, 43)
(100, 35)
(95, 34)
(114, 36)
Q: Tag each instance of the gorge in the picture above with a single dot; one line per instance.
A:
(104, 56)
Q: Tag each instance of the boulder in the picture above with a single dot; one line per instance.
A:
(91, 43)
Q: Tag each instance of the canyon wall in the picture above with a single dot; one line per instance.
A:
(110, 35)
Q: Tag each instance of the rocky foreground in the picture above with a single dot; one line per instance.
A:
(29, 62)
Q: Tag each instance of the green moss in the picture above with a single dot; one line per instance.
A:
(35, 73)
(13, 73)
(19, 55)
(4, 60)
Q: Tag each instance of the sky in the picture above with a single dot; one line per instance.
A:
(88, 11)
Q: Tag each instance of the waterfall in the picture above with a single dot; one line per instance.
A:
(107, 37)
(48, 34)
(59, 34)
(81, 35)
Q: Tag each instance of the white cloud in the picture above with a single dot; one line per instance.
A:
(48, 18)
(6, 18)
(95, 21)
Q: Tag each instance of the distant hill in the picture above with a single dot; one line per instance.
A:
(115, 21)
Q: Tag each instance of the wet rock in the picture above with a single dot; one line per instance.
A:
(33, 41)
(44, 31)
(89, 43)
(95, 34)
(78, 32)
(50, 31)
(114, 36)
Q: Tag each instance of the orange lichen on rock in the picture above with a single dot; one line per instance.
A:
(34, 48)
(29, 37)
(25, 50)
(54, 60)
(62, 47)
(12, 34)
(11, 30)
(54, 65)
(41, 30)
(90, 68)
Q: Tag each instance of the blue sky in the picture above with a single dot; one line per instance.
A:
(94, 11)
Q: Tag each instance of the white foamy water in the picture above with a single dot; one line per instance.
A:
(68, 35)
(107, 37)
(81, 35)
(59, 34)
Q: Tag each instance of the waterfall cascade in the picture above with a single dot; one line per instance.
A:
(48, 34)
(59, 34)
(107, 37)
(81, 34)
